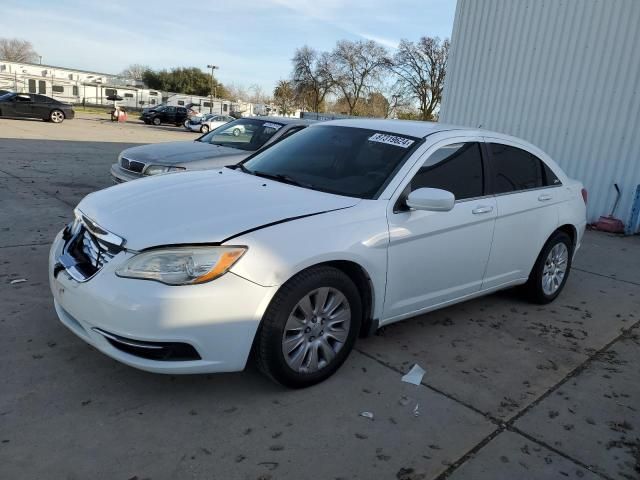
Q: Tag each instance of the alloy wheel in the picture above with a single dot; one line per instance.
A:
(316, 330)
(555, 268)
(57, 116)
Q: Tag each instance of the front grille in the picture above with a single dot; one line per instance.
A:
(132, 165)
(97, 252)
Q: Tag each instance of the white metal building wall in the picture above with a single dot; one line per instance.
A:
(562, 74)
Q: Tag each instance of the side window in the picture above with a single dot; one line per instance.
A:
(291, 131)
(550, 178)
(456, 168)
(514, 169)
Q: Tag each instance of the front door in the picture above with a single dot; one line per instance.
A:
(437, 257)
(23, 105)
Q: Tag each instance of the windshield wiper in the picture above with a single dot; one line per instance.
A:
(281, 177)
(241, 167)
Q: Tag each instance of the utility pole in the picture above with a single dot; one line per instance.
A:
(212, 67)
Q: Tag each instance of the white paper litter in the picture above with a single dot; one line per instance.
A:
(368, 415)
(415, 375)
(416, 410)
(18, 280)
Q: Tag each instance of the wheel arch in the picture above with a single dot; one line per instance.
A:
(570, 230)
(360, 277)
(363, 282)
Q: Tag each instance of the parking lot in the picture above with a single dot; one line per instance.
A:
(511, 390)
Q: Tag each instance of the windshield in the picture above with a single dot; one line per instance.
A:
(245, 134)
(355, 162)
(6, 96)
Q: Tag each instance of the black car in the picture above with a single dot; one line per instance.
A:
(165, 114)
(32, 105)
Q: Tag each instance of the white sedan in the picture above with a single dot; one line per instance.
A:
(347, 226)
(207, 122)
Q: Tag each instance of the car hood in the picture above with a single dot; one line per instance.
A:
(174, 153)
(201, 207)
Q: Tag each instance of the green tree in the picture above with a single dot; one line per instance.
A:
(284, 97)
(190, 81)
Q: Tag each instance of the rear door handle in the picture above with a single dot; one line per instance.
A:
(482, 209)
(544, 198)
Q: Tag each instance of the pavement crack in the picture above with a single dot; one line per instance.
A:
(631, 282)
(486, 415)
(20, 179)
(37, 244)
(560, 453)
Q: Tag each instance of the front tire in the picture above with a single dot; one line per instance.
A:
(56, 116)
(156, 121)
(551, 270)
(236, 132)
(309, 327)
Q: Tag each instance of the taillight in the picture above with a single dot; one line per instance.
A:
(584, 195)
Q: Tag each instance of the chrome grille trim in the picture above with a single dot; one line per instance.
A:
(95, 250)
(132, 165)
(88, 248)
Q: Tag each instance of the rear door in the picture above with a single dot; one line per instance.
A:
(41, 106)
(527, 194)
(438, 257)
(169, 114)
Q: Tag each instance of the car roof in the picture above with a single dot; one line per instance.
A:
(285, 120)
(420, 129)
(412, 128)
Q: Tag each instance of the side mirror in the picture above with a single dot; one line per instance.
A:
(431, 199)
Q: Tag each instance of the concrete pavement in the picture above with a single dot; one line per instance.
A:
(512, 390)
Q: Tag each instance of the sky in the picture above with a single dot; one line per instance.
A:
(252, 41)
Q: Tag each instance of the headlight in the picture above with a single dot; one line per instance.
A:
(157, 169)
(182, 265)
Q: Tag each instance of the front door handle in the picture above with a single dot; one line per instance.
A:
(544, 198)
(482, 209)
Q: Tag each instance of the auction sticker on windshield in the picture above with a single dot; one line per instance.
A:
(275, 126)
(391, 140)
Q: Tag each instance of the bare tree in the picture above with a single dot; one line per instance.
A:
(237, 92)
(135, 71)
(355, 67)
(311, 78)
(257, 94)
(421, 69)
(284, 97)
(17, 50)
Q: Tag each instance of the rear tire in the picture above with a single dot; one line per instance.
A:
(551, 270)
(204, 129)
(236, 132)
(56, 116)
(156, 121)
(314, 317)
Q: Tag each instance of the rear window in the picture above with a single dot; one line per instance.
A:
(244, 134)
(355, 162)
